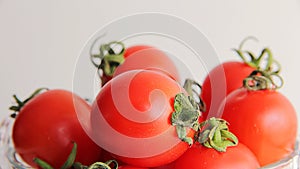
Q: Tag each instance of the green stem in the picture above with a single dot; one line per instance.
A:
(42, 164)
(189, 88)
(109, 58)
(185, 116)
(68, 163)
(257, 62)
(240, 51)
(71, 158)
(20, 104)
(98, 165)
(214, 133)
(262, 80)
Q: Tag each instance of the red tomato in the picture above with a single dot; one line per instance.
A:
(131, 50)
(144, 57)
(133, 112)
(222, 80)
(130, 167)
(106, 156)
(147, 57)
(128, 51)
(167, 166)
(47, 126)
(263, 120)
(200, 157)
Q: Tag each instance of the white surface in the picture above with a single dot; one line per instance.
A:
(40, 40)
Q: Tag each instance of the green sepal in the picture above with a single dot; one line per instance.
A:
(185, 116)
(264, 61)
(71, 157)
(68, 163)
(98, 165)
(42, 164)
(189, 86)
(262, 80)
(20, 104)
(109, 59)
(111, 62)
(214, 133)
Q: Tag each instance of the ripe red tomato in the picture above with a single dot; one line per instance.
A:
(147, 57)
(263, 120)
(127, 52)
(130, 167)
(200, 157)
(133, 112)
(232, 73)
(47, 126)
(136, 57)
(132, 49)
(228, 76)
(167, 166)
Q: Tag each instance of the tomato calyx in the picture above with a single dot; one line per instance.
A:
(189, 86)
(98, 165)
(110, 58)
(185, 116)
(214, 133)
(257, 62)
(261, 80)
(20, 104)
(68, 163)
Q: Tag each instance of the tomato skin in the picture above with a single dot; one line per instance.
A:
(264, 120)
(159, 160)
(147, 57)
(130, 167)
(144, 57)
(46, 127)
(132, 94)
(132, 49)
(167, 166)
(200, 157)
(234, 72)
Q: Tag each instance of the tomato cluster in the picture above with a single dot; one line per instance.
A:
(143, 118)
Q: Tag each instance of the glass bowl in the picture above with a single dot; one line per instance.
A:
(10, 159)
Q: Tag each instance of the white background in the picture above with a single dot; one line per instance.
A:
(41, 40)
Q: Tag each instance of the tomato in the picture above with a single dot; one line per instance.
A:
(133, 112)
(147, 57)
(263, 120)
(134, 57)
(228, 76)
(225, 78)
(167, 166)
(106, 156)
(200, 157)
(127, 52)
(130, 167)
(47, 126)
(136, 48)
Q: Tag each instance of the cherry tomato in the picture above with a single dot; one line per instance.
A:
(263, 120)
(130, 167)
(134, 57)
(133, 112)
(167, 166)
(228, 76)
(147, 57)
(132, 49)
(47, 126)
(200, 157)
(224, 78)
(127, 52)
